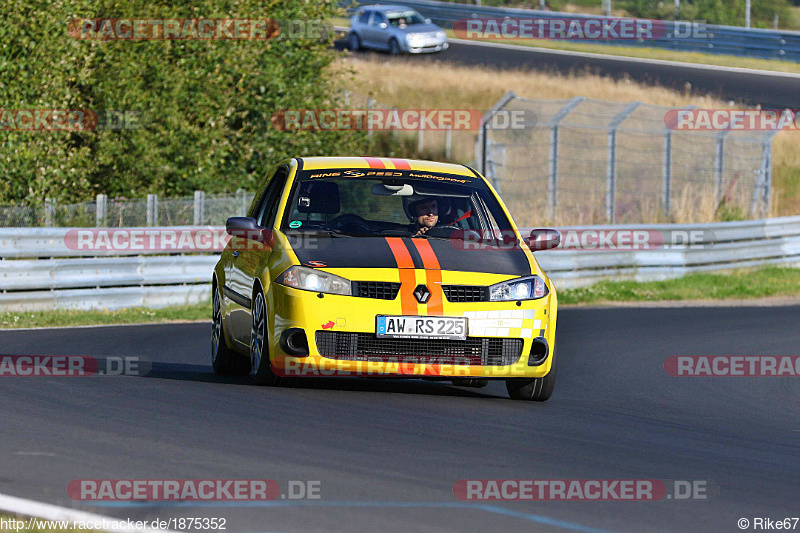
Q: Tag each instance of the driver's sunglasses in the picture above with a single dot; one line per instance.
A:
(432, 210)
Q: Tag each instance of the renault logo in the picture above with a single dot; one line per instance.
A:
(421, 293)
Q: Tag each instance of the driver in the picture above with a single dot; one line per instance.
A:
(426, 213)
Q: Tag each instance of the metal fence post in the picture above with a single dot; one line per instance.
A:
(101, 208)
(420, 138)
(762, 191)
(483, 141)
(719, 165)
(199, 207)
(666, 188)
(552, 159)
(611, 165)
(152, 210)
(394, 128)
(49, 212)
(448, 142)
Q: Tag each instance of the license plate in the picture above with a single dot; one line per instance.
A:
(421, 327)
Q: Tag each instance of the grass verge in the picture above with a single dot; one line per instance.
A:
(135, 315)
(738, 284)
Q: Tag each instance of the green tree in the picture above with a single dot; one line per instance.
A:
(205, 105)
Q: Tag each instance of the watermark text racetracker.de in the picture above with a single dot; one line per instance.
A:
(67, 366)
(732, 120)
(580, 489)
(249, 29)
(589, 239)
(395, 119)
(69, 120)
(733, 366)
(577, 28)
(184, 240)
(192, 490)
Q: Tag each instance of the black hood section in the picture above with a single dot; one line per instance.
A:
(375, 252)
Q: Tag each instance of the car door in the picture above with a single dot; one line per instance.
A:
(361, 25)
(250, 254)
(379, 31)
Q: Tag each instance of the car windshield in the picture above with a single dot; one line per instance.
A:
(404, 18)
(353, 203)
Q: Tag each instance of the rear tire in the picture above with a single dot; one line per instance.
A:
(224, 361)
(260, 367)
(535, 390)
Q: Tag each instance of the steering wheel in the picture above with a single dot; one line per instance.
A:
(442, 231)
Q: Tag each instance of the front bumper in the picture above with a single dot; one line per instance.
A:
(427, 48)
(340, 331)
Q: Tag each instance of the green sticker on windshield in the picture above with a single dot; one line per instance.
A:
(295, 224)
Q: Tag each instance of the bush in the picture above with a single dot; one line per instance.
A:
(205, 105)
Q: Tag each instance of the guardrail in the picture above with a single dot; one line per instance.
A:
(39, 271)
(731, 40)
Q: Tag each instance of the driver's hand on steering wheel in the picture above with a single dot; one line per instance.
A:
(421, 230)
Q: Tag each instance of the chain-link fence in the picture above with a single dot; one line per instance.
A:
(584, 161)
(200, 209)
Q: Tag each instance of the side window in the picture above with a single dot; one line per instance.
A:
(271, 198)
(378, 18)
(363, 16)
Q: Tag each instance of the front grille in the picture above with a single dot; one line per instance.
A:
(466, 293)
(479, 351)
(382, 290)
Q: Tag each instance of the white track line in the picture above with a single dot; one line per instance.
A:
(45, 511)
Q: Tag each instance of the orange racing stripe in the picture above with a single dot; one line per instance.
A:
(400, 164)
(405, 265)
(433, 275)
(374, 162)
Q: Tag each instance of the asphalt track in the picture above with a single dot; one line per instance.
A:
(770, 90)
(387, 453)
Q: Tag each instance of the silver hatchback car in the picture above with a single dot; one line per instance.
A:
(395, 29)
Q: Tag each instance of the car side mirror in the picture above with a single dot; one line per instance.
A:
(384, 25)
(244, 227)
(544, 239)
(427, 21)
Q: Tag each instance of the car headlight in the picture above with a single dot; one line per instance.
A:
(529, 288)
(411, 37)
(309, 279)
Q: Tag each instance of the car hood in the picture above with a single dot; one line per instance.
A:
(405, 252)
(418, 28)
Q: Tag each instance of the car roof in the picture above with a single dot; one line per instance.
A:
(387, 7)
(319, 163)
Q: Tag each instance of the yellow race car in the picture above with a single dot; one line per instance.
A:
(362, 266)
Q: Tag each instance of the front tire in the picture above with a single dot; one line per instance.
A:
(354, 42)
(224, 361)
(535, 390)
(394, 47)
(260, 367)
